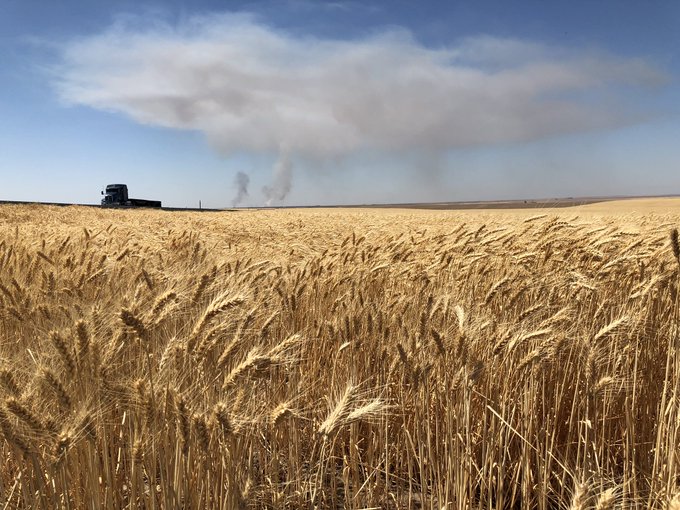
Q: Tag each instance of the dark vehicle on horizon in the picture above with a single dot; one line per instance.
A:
(116, 195)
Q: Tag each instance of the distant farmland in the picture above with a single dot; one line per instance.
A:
(340, 358)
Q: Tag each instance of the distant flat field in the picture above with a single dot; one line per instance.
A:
(634, 205)
(594, 204)
(492, 204)
(655, 205)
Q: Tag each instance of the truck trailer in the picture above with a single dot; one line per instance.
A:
(116, 195)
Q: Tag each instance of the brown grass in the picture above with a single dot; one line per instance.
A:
(338, 359)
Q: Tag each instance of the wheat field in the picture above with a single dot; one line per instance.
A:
(339, 359)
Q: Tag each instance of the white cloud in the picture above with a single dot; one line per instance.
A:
(251, 87)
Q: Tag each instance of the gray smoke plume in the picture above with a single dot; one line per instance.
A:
(253, 88)
(282, 180)
(241, 181)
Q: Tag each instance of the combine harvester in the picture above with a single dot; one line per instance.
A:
(116, 195)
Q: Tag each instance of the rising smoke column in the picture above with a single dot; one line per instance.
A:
(241, 181)
(282, 180)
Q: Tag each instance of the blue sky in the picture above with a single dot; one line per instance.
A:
(304, 103)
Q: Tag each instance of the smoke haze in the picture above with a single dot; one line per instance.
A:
(241, 181)
(250, 87)
(282, 181)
